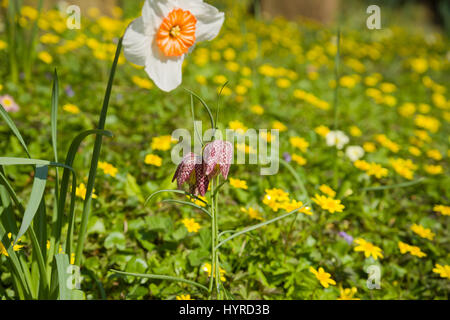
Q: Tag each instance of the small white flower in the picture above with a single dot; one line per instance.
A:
(336, 138)
(354, 153)
(165, 33)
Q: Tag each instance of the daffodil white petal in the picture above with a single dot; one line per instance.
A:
(136, 44)
(154, 11)
(164, 71)
(209, 19)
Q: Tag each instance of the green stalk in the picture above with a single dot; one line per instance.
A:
(95, 157)
(213, 240)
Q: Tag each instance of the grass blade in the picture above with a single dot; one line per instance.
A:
(189, 204)
(161, 277)
(257, 226)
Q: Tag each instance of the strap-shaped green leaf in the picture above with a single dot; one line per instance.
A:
(62, 262)
(37, 192)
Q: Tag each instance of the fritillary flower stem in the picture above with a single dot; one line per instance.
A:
(214, 280)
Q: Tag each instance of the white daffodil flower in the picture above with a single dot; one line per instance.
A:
(354, 153)
(165, 33)
(337, 138)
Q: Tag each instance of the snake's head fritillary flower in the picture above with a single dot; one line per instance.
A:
(8, 103)
(165, 33)
(217, 157)
(191, 170)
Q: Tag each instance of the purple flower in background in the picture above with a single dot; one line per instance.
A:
(287, 157)
(68, 90)
(8, 103)
(346, 237)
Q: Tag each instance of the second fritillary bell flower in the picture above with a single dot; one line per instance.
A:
(165, 33)
(191, 170)
(217, 157)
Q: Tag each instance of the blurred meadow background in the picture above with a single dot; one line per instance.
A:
(386, 203)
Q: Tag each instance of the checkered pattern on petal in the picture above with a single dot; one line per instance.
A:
(211, 155)
(219, 153)
(186, 168)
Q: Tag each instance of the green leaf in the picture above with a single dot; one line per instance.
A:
(115, 240)
(62, 262)
(37, 193)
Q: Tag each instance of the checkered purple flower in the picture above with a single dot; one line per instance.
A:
(217, 156)
(191, 170)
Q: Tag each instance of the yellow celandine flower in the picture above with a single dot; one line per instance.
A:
(239, 184)
(197, 201)
(252, 213)
(311, 99)
(220, 79)
(414, 250)
(201, 79)
(349, 81)
(419, 65)
(323, 277)
(347, 293)
(322, 130)
(15, 247)
(49, 38)
(422, 232)
(237, 126)
(433, 169)
(207, 268)
(414, 151)
(368, 248)
(388, 87)
(404, 167)
(300, 143)
(108, 168)
(328, 203)
(142, 82)
(387, 143)
(162, 143)
(245, 148)
(376, 170)
(434, 154)
(266, 136)
(153, 159)
(299, 159)
(257, 109)
(283, 83)
(278, 125)
(426, 122)
(355, 131)
(81, 192)
(407, 109)
(443, 271)
(3, 45)
(71, 108)
(369, 147)
(191, 225)
(45, 57)
(29, 12)
(184, 297)
(327, 190)
(444, 210)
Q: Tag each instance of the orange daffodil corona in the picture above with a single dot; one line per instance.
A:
(165, 33)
